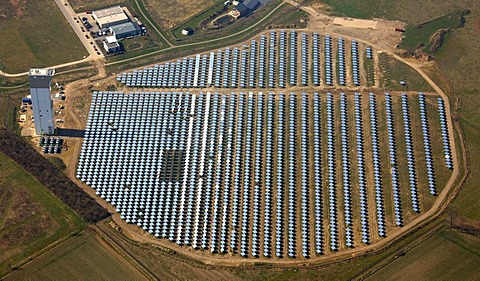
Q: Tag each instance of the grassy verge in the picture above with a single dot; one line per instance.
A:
(429, 36)
(83, 257)
(448, 254)
(195, 21)
(23, 238)
(138, 6)
(39, 37)
(7, 82)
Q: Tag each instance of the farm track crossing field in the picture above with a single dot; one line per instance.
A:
(197, 168)
(446, 255)
(85, 257)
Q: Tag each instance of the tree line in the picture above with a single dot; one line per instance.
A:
(48, 175)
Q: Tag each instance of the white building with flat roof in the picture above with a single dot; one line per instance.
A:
(111, 45)
(110, 16)
(42, 103)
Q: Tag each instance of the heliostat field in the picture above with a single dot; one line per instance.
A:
(267, 174)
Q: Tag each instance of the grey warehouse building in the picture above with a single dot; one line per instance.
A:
(110, 17)
(125, 30)
(42, 103)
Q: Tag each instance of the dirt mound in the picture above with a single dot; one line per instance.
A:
(436, 40)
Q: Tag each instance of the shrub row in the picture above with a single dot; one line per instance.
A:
(48, 175)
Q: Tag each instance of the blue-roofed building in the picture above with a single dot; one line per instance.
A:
(125, 30)
(245, 8)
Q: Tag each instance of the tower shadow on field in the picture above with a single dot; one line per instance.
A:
(74, 133)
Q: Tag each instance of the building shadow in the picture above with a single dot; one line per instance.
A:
(74, 133)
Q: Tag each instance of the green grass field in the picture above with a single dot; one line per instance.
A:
(89, 5)
(293, 19)
(419, 36)
(195, 20)
(447, 255)
(37, 36)
(84, 257)
(459, 60)
(31, 218)
(170, 13)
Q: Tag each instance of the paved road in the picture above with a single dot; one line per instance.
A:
(69, 14)
(138, 235)
(152, 25)
(87, 59)
(440, 204)
(201, 42)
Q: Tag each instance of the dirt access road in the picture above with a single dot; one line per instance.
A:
(317, 19)
(139, 235)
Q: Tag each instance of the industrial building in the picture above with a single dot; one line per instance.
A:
(111, 45)
(245, 8)
(110, 16)
(42, 103)
(125, 30)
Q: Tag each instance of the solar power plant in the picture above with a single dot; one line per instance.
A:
(277, 59)
(265, 174)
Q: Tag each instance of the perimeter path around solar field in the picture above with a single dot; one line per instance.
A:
(137, 234)
(439, 204)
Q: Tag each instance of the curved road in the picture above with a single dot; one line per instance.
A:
(69, 14)
(202, 42)
(139, 235)
(443, 198)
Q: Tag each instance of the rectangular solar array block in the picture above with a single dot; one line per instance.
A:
(242, 172)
